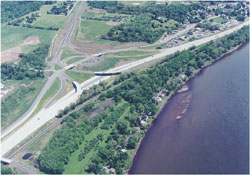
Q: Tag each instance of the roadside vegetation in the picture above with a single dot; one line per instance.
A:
(66, 53)
(57, 67)
(106, 143)
(79, 77)
(74, 60)
(92, 30)
(111, 62)
(51, 92)
(6, 170)
(17, 102)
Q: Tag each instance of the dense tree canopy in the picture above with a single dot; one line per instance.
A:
(31, 65)
(14, 9)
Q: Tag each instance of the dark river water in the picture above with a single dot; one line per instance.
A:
(212, 135)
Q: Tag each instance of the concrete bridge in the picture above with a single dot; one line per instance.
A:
(69, 66)
(106, 73)
(5, 161)
(76, 85)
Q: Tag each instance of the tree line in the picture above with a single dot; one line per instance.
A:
(31, 65)
(63, 9)
(11, 10)
(141, 26)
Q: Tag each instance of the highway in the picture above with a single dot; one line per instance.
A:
(50, 80)
(45, 115)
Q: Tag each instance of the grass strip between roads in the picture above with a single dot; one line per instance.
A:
(67, 53)
(79, 77)
(48, 95)
(57, 67)
(74, 60)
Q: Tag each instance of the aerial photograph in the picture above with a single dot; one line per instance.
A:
(125, 87)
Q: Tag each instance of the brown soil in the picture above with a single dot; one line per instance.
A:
(91, 48)
(128, 45)
(87, 50)
(92, 62)
(122, 62)
(57, 41)
(12, 54)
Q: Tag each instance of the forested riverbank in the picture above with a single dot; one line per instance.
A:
(204, 129)
(136, 99)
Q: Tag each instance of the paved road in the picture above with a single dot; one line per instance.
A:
(45, 115)
(26, 115)
(68, 34)
(50, 81)
(22, 167)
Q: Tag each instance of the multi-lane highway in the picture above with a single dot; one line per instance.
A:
(45, 115)
(23, 128)
(52, 78)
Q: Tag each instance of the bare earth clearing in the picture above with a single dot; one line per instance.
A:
(91, 48)
(112, 23)
(12, 54)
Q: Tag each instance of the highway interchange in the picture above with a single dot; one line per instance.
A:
(25, 126)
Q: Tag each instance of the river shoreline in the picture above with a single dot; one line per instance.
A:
(166, 99)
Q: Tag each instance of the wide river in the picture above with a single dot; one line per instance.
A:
(212, 134)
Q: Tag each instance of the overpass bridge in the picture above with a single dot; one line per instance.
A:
(107, 73)
(76, 86)
(5, 161)
(69, 66)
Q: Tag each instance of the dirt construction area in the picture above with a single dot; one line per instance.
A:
(92, 48)
(12, 54)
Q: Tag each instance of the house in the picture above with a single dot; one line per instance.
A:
(124, 150)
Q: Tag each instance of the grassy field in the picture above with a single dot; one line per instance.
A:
(92, 30)
(109, 42)
(29, 48)
(69, 87)
(13, 36)
(219, 20)
(79, 77)
(169, 23)
(74, 60)
(48, 95)
(111, 62)
(74, 166)
(57, 67)
(19, 100)
(67, 53)
(49, 20)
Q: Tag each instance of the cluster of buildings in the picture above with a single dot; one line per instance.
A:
(230, 24)
(160, 95)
